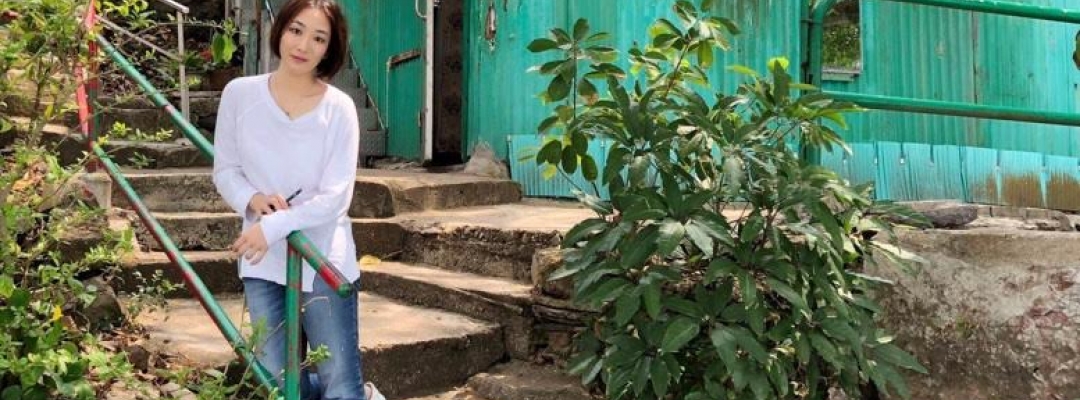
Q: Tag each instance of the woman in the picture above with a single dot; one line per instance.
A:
(287, 145)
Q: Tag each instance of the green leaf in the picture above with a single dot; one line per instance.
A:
(720, 267)
(604, 292)
(748, 342)
(660, 377)
(551, 153)
(547, 124)
(588, 168)
(597, 37)
(569, 161)
(888, 352)
(7, 286)
(685, 307)
(723, 339)
(558, 89)
(700, 238)
(542, 45)
(839, 329)
(716, 226)
(705, 55)
(587, 90)
(13, 392)
(651, 298)
(681, 331)
(825, 348)
(581, 28)
(550, 170)
(671, 234)
(20, 298)
(626, 307)
(583, 230)
(742, 69)
(791, 295)
(641, 375)
(780, 63)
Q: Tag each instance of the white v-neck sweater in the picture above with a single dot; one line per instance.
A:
(259, 149)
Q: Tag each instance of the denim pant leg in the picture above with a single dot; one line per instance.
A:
(331, 320)
(266, 304)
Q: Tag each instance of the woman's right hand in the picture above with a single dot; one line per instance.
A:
(262, 204)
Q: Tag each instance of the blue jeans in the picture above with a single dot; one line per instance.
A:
(328, 319)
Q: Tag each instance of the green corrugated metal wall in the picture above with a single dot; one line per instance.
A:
(501, 98)
(381, 29)
(934, 53)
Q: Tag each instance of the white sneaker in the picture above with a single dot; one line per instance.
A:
(371, 393)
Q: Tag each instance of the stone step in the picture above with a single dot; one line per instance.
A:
(406, 350)
(217, 269)
(520, 380)
(501, 301)
(496, 241)
(379, 193)
(70, 147)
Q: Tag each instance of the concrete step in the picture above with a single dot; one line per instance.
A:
(501, 301)
(495, 241)
(406, 350)
(379, 193)
(520, 380)
(70, 146)
(217, 269)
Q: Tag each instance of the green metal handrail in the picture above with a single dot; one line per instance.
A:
(191, 279)
(814, 72)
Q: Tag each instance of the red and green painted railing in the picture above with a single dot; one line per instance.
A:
(815, 48)
(300, 249)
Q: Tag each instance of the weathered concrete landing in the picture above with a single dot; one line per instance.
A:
(406, 349)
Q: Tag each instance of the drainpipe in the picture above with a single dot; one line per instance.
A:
(429, 81)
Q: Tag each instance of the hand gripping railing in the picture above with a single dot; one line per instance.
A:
(299, 249)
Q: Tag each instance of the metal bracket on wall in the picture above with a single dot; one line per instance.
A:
(401, 58)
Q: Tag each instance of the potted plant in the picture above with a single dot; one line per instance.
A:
(221, 69)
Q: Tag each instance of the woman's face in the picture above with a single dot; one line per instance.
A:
(304, 41)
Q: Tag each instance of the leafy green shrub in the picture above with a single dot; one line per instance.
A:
(723, 266)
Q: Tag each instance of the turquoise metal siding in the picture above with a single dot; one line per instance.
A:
(939, 54)
(501, 98)
(381, 29)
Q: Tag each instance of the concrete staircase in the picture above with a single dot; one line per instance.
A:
(452, 298)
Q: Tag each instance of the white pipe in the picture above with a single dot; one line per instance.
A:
(429, 82)
(137, 38)
(179, 7)
(185, 101)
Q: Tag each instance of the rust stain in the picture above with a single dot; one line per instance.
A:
(1021, 191)
(1064, 192)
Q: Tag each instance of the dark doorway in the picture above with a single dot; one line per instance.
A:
(449, 79)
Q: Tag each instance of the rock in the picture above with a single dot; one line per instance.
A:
(483, 162)
(546, 261)
(946, 214)
(105, 311)
(1065, 222)
(170, 388)
(184, 394)
(139, 357)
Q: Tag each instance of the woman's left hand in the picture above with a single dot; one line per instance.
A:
(251, 244)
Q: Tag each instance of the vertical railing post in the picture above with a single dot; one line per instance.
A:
(293, 292)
